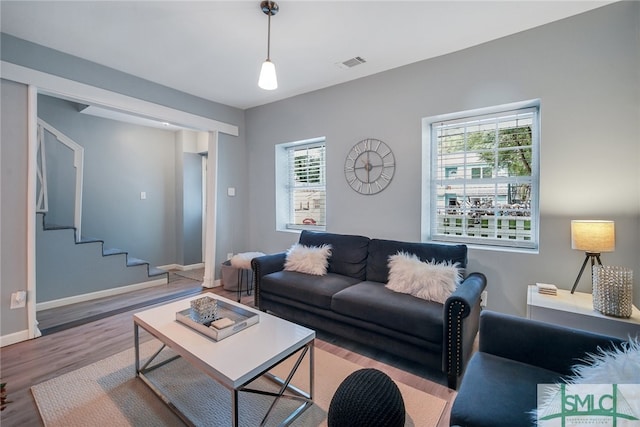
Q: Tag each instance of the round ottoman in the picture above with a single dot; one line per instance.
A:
(367, 397)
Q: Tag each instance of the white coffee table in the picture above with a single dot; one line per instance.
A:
(234, 361)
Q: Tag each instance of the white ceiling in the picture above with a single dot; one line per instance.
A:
(214, 49)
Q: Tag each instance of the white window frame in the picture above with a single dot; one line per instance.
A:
(430, 180)
(285, 210)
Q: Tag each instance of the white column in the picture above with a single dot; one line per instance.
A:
(210, 224)
(32, 172)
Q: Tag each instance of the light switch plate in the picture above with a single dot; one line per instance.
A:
(18, 299)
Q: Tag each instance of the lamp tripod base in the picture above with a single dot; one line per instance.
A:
(590, 256)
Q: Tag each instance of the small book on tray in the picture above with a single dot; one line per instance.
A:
(547, 289)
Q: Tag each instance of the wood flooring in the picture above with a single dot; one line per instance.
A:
(31, 362)
(61, 318)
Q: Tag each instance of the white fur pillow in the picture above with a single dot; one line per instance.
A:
(243, 260)
(308, 259)
(618, 366)
(427, 280)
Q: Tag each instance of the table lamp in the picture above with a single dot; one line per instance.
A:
(593, 237)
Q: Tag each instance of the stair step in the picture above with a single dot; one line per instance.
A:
(154, 271)
(58, 227)
(135, 261)
(151, 271)
(131, 262)
(89, 240)
(113, 251)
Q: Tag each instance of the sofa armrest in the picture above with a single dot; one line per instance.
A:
(262, 266)
(537, 343)
(461, 323)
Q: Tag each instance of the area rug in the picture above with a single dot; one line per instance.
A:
(107, 393)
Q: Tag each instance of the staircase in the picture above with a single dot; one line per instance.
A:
(70, 268)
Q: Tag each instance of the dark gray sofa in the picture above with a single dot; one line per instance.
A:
(351, 300)
(499, 388)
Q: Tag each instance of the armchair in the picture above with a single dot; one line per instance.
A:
(515, 354)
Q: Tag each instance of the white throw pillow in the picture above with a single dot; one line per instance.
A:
(308, 259)
(427, 280)
(618, 366)
(243, 260)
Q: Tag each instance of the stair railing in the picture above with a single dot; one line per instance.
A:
(42, 199)
(78, 164)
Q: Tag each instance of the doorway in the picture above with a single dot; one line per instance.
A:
(39, 82)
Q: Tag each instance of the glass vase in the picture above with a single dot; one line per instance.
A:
(613, 290)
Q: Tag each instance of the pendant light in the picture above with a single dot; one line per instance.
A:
(268, 79)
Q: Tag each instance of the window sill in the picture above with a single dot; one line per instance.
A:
(290, 228)
(488, 246)
(510, 249)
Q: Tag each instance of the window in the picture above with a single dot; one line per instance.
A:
(482, 171)
(301, 195)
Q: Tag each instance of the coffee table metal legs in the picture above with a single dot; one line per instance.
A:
(141, 370)
(296, 394)
(234, 408)
(286, 391)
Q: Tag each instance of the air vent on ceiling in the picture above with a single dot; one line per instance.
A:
(350, 63)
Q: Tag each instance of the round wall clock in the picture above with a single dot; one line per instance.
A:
(369, 166)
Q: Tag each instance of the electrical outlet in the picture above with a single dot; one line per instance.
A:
(18, 299)
(483, 299)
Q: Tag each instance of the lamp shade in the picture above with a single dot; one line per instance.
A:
(593, 236)
(268, 79)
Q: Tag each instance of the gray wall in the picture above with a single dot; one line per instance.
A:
(585, 70)
(192, 209)
(120, 161)
(61, 181)
(13, 209)
(234, 216)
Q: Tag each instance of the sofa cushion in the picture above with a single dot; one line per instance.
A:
(373, 302)
(497, 392)
(348, 253)
(305, 288)
(381, 250)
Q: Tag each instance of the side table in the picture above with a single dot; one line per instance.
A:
(576, 311)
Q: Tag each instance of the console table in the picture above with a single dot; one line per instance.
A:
(576, 311)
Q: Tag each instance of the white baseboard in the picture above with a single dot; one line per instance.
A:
(181, 267)
(99, 294)
(13, 338)
(215, 284)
